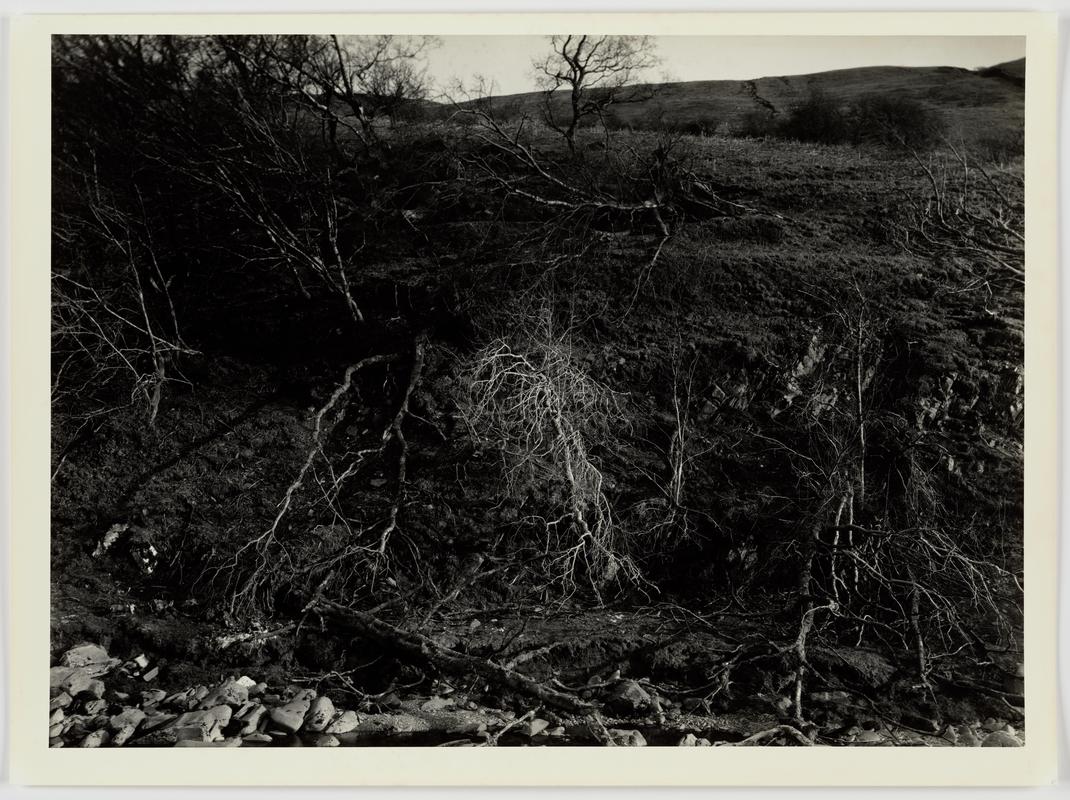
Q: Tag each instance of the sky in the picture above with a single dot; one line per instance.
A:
(507, 59)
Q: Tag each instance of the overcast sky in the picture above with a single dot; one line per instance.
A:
(507, 59)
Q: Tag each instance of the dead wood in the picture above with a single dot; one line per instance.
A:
(418, 647)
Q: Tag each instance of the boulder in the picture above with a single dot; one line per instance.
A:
(205, 725)
(69, 680)
(626, 738)
(94, 707)
(229, 693)
(95, 739)
(319, 714)
(291, 717)
(535, 727)
(690, 740)
(325, 740)
(628, 697)
(127, 717)
(344, 722)
(91, 658)
(1001, 739)
(251, 719)
(258, 738)
(61, 700)
(122, 736)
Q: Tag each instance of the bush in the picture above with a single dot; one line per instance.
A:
(896, 122)
(820, 119)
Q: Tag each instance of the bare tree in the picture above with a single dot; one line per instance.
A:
(596, 72)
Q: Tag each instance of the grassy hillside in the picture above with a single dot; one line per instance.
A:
(974, 103)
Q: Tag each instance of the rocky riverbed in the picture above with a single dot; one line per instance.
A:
(101, 701)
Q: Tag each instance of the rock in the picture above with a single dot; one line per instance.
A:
(967, 737)
(259, 690)
(259, 738)
(868, 737)
(95, 739)
(535, 727)
(626, 738)
(557, 732)
(344, 723)
(436, 704)
(94, 707)
(251, 719)
(325, 740)
(95, 689)
(69, 680)
(206, 725)
(229, 693)
(55, 730)
(247, 682)
(319, 714)
(291, 716)
(92, 658)
(1000, 739)
(151, 697)
(151, 674)
(154, 721)
(991, 724)
(55, 742)
(392, 724)
(233, 742)
(128, 716)
(628, 697)
(56, 716)
(61, 700)
(689, 740)
(140, 661)
(123, 735)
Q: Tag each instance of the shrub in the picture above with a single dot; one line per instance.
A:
(896, 122)
(819, 118)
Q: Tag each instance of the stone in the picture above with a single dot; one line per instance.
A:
(259, 738)
(689, 740)
(557, 732)
(96, 739)
(141, 661)
(233, 742)
(344, 722)
(868, 737)
(122, 736)
(61, 700)
(392, 724)
(55, 730)
(251, 719)
(56, 716)
(436, 704)
(127, 717)
(154, 721)
(230, 693)
(69, 680)
(992, 724)
(1000, 739)
(55, 742)
(247, 682)
(92, 658)
(94, 707)
(628, 697)
(151, 674)
(319, 714)
(205, 725)
(626, 738)
(291, 717)
(325, 740)
(151, 697)
(535, 727)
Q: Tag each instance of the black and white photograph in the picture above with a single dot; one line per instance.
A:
(537, 391)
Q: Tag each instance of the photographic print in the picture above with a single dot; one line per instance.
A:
(537, 391)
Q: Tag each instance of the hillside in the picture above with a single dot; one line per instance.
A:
(988, 102)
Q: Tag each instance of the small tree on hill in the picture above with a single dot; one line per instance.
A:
(597, 72)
